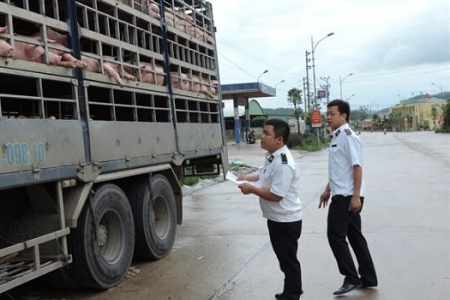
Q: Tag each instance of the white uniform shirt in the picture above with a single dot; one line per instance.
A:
(283, 180)
(344, 153)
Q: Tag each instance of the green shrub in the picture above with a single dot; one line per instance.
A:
(306, 142)
(295, 139)
(310, 138)
(258, 121)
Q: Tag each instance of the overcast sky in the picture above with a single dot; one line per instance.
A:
(394, 48)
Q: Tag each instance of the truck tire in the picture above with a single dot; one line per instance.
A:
(102, 245)
(155, 217)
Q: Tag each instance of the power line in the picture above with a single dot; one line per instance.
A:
(397, 73)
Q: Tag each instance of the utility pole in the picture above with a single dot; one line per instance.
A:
(305, 93)
(307, 80)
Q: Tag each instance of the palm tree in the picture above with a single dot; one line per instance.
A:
(295, 98)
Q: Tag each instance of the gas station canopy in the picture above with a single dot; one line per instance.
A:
(245, 91)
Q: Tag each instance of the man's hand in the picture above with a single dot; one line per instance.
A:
(248, 177)
(242, 177)
(355, 204)
(324, 197)
(246, 188)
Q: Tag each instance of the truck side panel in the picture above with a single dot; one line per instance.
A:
(121, 140)
(39, 144)
(195, 137)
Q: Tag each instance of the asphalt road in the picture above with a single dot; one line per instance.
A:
(223, 251)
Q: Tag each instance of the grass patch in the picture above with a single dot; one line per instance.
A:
(311, 147)
(193, 180)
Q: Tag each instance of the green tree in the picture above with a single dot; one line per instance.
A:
(434, 114)
(376, 121)
(395, 121)
(357, 116)
(446, 108)
(258, 121)
(295, 98)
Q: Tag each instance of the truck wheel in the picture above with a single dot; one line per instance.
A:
(103, 242)
(155, 217)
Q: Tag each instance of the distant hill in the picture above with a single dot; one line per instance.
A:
(422, 97)
(279, 111)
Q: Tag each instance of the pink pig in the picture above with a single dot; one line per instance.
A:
(180, 81)
(145, 6)
(36, 53)
(109, 68)
(6, 50)
(200, 85)
(150, 73)
(57, 39)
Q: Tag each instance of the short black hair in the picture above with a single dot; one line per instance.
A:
(280, 128)
(343, 107)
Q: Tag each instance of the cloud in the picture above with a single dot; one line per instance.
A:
(380, 41)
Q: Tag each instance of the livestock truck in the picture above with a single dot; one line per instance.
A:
(92, 154)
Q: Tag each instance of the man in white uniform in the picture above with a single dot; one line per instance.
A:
(278, 191)
(346, 185)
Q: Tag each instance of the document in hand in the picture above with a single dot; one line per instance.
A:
(233, 178)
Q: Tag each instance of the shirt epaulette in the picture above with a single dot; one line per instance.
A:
(348, 131)
(284, 158)
(337, 132)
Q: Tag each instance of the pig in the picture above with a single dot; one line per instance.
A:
(109, 68)
(36, 53)
(146, 6)
(213, 87)
(202, 34)
(199, 85)
(180, 81)
(55, 56)
(57, 37)
(151, 9)
(150, 73)
(6, 50)
(60, 40)
(185, 23)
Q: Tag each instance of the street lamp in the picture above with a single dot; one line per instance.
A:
(349, 97)
(278, 83)
(313, 47)
(342, 80)
(265, 71)
(439, 86)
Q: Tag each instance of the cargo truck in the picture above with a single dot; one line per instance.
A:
(105, 106)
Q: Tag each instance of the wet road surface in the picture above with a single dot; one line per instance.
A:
(223, 251)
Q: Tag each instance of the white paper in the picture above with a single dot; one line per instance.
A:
(233, 178)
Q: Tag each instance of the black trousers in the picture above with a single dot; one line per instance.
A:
(344, 224)
(284, 239)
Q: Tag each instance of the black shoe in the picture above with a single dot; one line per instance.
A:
(365, 286)
(345, 288)
(368, 284)
(281, 296)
